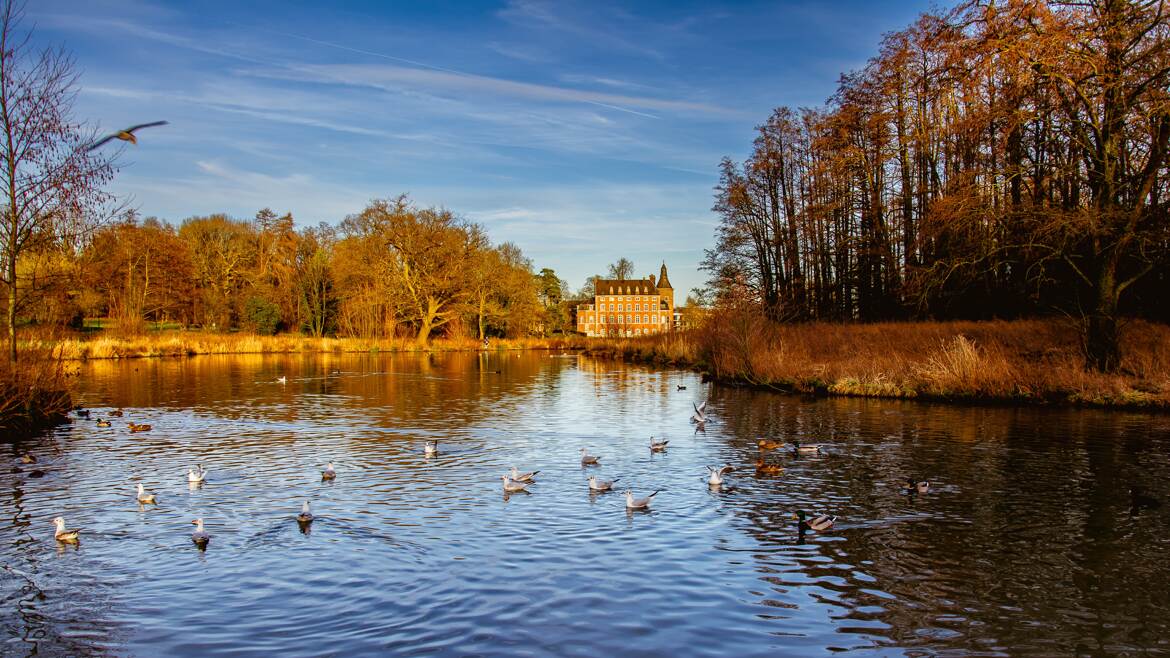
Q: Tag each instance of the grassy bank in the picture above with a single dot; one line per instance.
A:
(1034, 361)
(34, 394)
(190, 343)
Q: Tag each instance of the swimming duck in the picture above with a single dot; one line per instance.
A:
(103, 423)
(305, 516)
(135, 427)
(588, 459)
(431, 448)
(200, 536)
(196, 475)
(638, 503)
(764, 444)
(513, 487)
(717, 474)
(809, 449)
(517, 476)
(601, 485)
(764, 468)
(117, 413)
(82, 413)
(64, 535)
(328, 473)
(916, 486)
(681, 387)
(28, 459)
(816, 524)
(658, 446)
(143, 497)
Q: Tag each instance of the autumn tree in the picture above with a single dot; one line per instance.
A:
(140, 271)
(52, 184)
(425, 249)
(223, 252)
(991, 161)
(316, 292)
(1108, 63)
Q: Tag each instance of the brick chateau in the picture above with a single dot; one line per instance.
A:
(628, 307)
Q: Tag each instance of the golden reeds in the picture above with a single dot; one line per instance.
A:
(1022, 360)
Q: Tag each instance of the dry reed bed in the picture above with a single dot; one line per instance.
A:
(34, 393)
(1023, 360)
(186, 343)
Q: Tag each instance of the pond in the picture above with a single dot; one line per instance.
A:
(1043, 531)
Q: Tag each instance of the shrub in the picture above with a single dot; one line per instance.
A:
(261, 316)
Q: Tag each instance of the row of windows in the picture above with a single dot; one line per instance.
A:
(636, 307)
(652, 319)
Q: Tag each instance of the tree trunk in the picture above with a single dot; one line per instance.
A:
(481, 305)
(11, 319)
(1102, 341)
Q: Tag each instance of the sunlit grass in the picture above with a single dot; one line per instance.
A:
(190, 343)
(1022, 360)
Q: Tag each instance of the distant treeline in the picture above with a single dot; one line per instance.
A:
(393, 269)
(1001, 160)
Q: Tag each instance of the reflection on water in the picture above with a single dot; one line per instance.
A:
(1043, 532)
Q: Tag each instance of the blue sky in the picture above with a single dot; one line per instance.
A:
(582, 131)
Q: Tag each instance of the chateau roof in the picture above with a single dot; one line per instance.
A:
(664, 282)
(625, 287)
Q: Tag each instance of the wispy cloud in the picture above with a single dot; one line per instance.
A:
(545, 16)
(390, 77)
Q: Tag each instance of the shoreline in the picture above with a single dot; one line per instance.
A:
(1000, 363)
(186, 344)
(1012, 363)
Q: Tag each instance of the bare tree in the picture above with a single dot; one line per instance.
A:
(623, 269)
(52, 186)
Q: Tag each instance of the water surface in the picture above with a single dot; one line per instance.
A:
(1028, 543)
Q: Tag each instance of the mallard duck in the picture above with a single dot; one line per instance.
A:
(200, 536)
(601, 485)
(517, 476)
(638, 503)
(103, 423)
(916, 486)
(513, 487)
(816, 524)
(328, 473)
(658, 446)
(764, 468)
(681, 387)
(717, 474)
(116, 413)
(802, 449)
(135, 427)
(82, 413)
(126, 135)
(196, 475)
(65, 535)
(588, 459)
(305, 516)
(765, 444)
(143, 497)
(431, 448)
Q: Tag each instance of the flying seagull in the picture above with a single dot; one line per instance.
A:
(126, 135)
